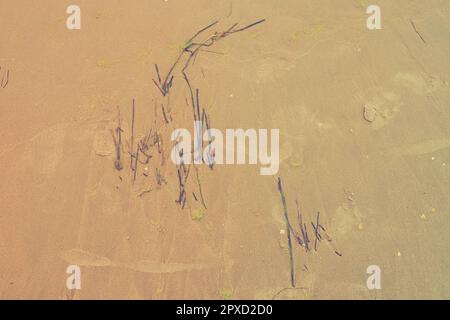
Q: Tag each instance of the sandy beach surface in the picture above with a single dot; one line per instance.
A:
(364, 124)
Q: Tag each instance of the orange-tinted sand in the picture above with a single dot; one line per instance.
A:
(382, 186)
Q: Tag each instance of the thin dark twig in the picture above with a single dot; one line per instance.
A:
(164, 114)
(210, 51)
(284, 289)
(202, 30)
(117, 138)
(132, 136)
(197, 103)
(250, 25)
(200, 189)
(417, 31)
(288, 227)
(316, 228)
(136, 161)
(157, 72)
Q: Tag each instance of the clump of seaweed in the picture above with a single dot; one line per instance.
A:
(189, 53)
(191, 49)
(305, 235)
(142, 151)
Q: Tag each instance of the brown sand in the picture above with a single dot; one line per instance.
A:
(380, 177)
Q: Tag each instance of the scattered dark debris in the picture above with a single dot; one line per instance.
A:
(302, 237)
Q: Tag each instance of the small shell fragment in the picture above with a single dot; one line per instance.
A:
(369, 113)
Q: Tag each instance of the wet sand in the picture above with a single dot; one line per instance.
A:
(364, 133)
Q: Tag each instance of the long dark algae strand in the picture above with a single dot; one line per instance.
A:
(288, 230)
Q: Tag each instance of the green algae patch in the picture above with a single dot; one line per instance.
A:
(226, 294)
(198, 214)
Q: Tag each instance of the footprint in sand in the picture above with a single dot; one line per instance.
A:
(286, 150)
(295, 160)
(45, 150)
(436, 83)
(411, 82)
(382, 109)
(156, 267)
(273, 68)
(289, 153)
(344, 290)
(83, 258)
(296, 121)
(278, 215)
(346, 219)
(304, 292)
(103, 143)
(425, 147)
(421, 85)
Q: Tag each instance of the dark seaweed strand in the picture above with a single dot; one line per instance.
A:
(288, 227)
